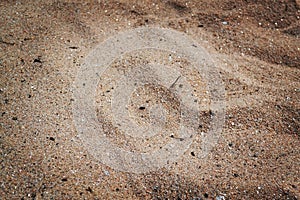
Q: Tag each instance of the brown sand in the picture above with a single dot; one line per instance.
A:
(255, 44)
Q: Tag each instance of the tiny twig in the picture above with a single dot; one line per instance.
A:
(175, 82)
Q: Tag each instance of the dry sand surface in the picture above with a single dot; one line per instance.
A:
(255, 47)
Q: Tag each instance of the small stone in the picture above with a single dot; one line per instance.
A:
(142, 108)
(37, 60)
(220, 197)
(106, 172)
